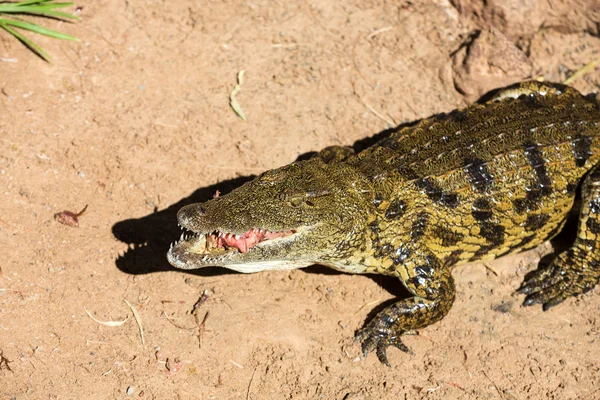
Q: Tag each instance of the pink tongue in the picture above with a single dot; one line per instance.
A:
(247, 240)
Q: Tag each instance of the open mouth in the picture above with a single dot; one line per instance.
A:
(217, 241)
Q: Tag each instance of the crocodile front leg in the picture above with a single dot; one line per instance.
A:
(577, 269)
(434, 292)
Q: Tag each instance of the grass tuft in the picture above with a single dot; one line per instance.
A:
(12, 22)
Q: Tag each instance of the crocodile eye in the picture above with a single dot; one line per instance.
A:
(296, 201)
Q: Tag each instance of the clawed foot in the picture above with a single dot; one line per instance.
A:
(405, 317)
(568, 275)
(378, 338)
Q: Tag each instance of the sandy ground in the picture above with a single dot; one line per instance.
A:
(134, 121)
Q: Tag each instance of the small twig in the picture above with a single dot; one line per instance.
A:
(106, 323)
(88, 342)
(176, 325)
(201, 328)
(285, 45)
(232, 100)
(433, 389)
(6, 223)
(489, 268)
(390, 123)
(495, 386)
(583, 71)
(355, 62)
(138, 320)
(456, 385)
(371, 303)
(201, 325)
(378, 31)
(465, 364)
(250, 384)
(205, 294)
(14, 291)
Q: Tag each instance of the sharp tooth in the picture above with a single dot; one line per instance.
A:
(182, 237)
(171, 246)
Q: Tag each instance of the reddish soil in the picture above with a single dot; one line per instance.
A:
(134, 121)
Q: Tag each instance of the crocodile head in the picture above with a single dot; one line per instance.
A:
(303, 213)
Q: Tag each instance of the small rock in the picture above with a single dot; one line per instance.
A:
(487, 61)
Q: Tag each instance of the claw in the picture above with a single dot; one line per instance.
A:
(530, 301)
(553, 284)
(380, 342)
(401, 346)
(553, 302)
(382, 354)
(365, 349)
(525, 289)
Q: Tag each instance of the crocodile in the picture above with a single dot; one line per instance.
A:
(497, 177)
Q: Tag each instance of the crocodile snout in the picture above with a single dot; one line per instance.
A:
(189, 213)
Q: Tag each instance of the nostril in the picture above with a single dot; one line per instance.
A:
(187, 213)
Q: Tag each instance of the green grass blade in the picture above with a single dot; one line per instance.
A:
(43, 13)
(32, 46)
(27, 2)
(12, 7)
(19, 6)
(37, 29)
(23, 7)
(24, 3)
(37, 9)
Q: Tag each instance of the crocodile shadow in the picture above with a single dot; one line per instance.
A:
(149, 237)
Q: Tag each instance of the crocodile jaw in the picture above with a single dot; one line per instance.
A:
(192, 262)
(236, 252)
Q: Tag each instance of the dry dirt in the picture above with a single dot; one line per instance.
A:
(134, 121)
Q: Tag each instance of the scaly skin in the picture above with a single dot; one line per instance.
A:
(491, 179)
